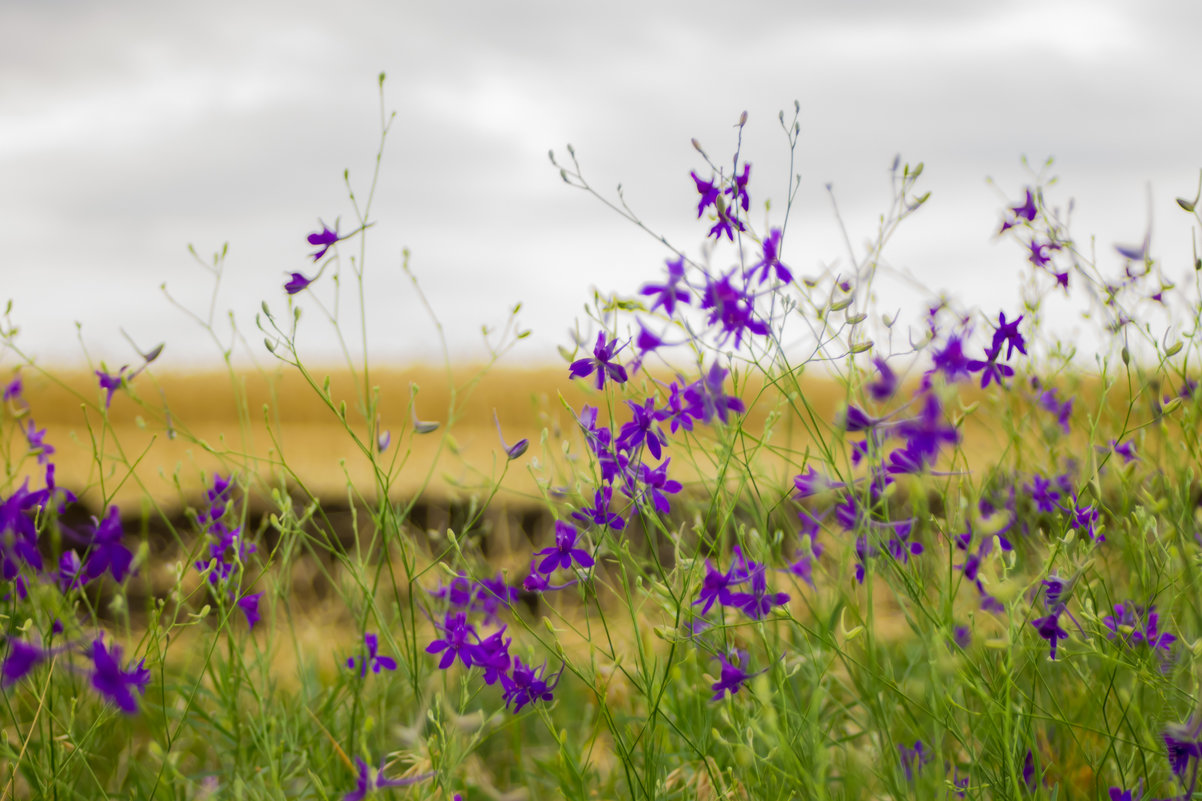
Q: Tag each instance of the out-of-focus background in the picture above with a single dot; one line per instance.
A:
(130, 129)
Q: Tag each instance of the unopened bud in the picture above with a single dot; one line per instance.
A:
(742, 119)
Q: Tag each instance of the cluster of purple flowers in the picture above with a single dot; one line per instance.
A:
(108, 678)
(459, 640)
(228, 549)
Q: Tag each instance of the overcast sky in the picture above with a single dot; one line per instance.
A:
(130, 129)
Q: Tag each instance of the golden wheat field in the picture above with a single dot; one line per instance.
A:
(164, 430)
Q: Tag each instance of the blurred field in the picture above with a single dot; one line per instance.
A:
(166, 429)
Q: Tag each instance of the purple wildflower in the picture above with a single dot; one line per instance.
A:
(1007, 332)
(526, 685)
(249, 604)
(564, 552)
(598, 514)
(706, 397)
(885, 384)
(22, 658)
(366, 783)
(668, 294)
(297, 283)
(115, 684)
(106, 553)
(732, 677)
(323, 240)
(771, 260)
(914, 758)
(732, 309)
(454, 642)
(657, 483)
(377, 662)
(110, 383)
(602, 362)
(1049, 628)
(643, 428)
(716, 587)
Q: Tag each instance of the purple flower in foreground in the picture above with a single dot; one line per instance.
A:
(1182, 747)
(604, 353)
(366, 783)
(657, 483)
(106, 553)
(1084, 517)
(950, 361)
(37, 443)
(455, 641)
(1007, 332)
(716, 587)
(323, 239)
(991, 370)
(732, 677)
(377, 662)
(297, 283)
(115, 684)
(564, 551)
(643, 429)
(526, 685)
(22, 658)
(1023, 211)
(1049, 628)
(249, 604)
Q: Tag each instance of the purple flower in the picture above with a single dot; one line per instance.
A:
(716, 587)
(642, 429)
(598, 514)
(707, 190)
(706, 397)
(914, 758)
(1084, 517)
(1029, 771)
(110, 383)
(297, 283)
(771, 260)
(759, 602)
(1041, 492)
(951, 360)
(115, 684)
(22, 658)
(37, 442)
(991, 370)
(732, 309)
(455, 641)
(602, 362)
(323, 240)
(738, 192)
(515, 450)
(249, 604)
(732, 677)
(106, 553)
(526, 685)
(564, 551)
(1008, 333)
(366, 783)
(378, 663)
(924, 434)
(1024, 211)
(1182, 747)
(885, 385)
(1048, 401)
(668, 294)
(493, 656)
(1049, 628)
(1125, 450)
(657, 483)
